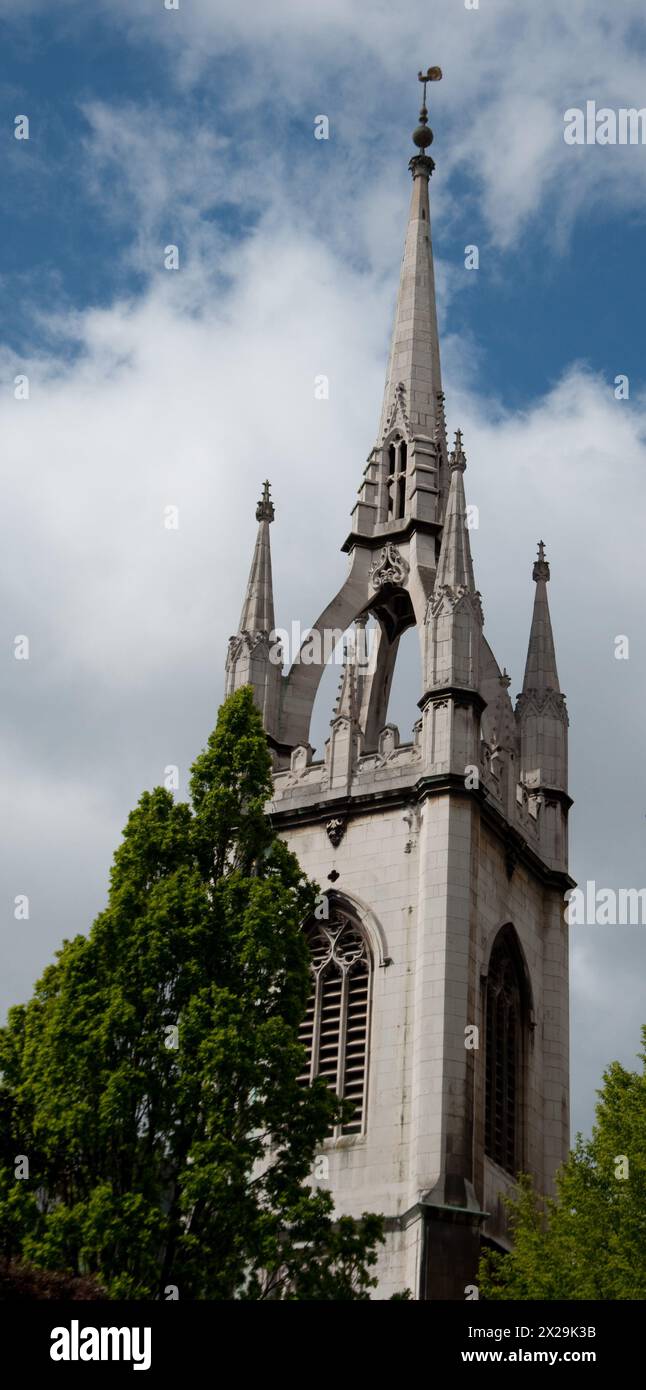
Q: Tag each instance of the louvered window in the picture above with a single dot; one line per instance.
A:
(504, 1038)
(335, 1028)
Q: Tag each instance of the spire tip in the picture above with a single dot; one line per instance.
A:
(423, 135)
(457, 457)
(265, 509)
(541, 568)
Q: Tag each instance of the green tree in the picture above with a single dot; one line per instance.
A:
(151, 1081)
(589, 1242)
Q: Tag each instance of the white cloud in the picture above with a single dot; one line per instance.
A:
(510, 75)
(153, 177)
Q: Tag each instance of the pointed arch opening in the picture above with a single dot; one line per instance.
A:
(396, 480)
(336, 1029)
(406, 687)
(324, 701)
(507, 1020)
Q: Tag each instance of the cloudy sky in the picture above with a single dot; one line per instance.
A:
(150, 388)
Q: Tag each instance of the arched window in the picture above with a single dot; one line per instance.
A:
(397, 478)
(336, 1026)
(401, 481)
(505, 1037)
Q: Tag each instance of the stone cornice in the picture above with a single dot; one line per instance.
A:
(468, 1215)
(553, 794)
(377, 539)
(517, 849)
(462, 695)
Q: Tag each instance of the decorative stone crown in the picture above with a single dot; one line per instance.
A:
(541, 568)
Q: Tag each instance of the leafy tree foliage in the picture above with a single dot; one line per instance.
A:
(589, 1243)
(151, 1081)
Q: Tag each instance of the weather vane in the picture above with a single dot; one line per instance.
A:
(433, 75)
(423, 136)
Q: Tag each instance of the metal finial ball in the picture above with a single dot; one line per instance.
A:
(423, 137)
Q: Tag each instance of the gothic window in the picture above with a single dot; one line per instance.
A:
(336, 1025)
(401, 481)
(504, 1055)
(397, 479)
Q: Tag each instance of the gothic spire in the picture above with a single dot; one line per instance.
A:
(540, 669)
(254, 655)
(348, 698)
(454, 614)
(346, 740)
(406, 475)
(258, 608)
(540, 708)
(413, 380)
(455, 566)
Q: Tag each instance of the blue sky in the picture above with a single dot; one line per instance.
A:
(196, 127)
(533, 308)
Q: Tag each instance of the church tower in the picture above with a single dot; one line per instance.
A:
(439, 1004)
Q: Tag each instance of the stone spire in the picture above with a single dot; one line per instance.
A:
(413, 379)
(258, 608)
(344, 744)
(540, 668)
(254, 657)
(452, 703)
(540, 709)
(347, 704)
(455, 565)
(405, 480)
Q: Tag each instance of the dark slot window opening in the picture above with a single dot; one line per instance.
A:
(504, 1038)
(397, 459)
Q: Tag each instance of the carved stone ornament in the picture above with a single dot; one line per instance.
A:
(412, 818)
(336, 829)
(388, 740)
(390, 568)
(543, 702)
(244, 642)
(301, 758)
(398, 408)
